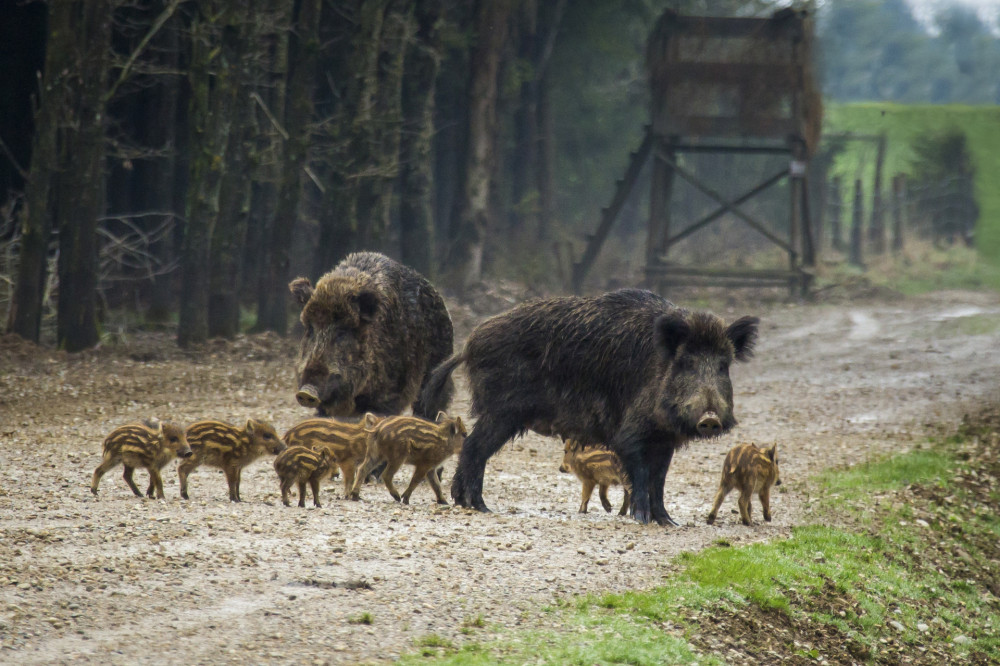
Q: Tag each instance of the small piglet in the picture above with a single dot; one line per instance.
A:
(751, 470)
(595, 466)
(413, 441)
(301, 465)
(229, 448)
(151, 446)
(347, 443)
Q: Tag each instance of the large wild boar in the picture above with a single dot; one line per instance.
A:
(627, 368)
(374, 330)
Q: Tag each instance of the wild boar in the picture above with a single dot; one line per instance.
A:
(300, 465)
(374, 329)
(229, 448)
(751, 470)
(347, 443)
(594, 466)
(413, 441)
(151, 446)
(627, 368)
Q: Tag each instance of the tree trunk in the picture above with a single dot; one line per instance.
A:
(82, 184)
(25, 317)
(213, 78)
(343, 222)
(546, 162)
(466, 255)
(234, 196)
(422, 60)
(273, 315)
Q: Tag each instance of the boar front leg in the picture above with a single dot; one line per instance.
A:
(625, 503)
(233, 479)
(487, 437)
(720, 496)
(659, 464)
(602, 492)
(629, 445)
(155, 481)
(419, 473)
(434, 478)
(586, 492)
(314, 484)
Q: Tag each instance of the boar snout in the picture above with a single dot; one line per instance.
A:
(308, 396)
(778, 482)
(709, 424)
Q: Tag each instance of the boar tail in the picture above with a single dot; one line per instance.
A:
(437, 390)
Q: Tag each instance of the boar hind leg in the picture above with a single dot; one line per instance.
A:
(744, 504)
(101, 470)
(314, 484)
(719, 497)
(419, 473)
(487, 437)
(585, 493)
(366, 468)
(602, 492)
(286, 489)
(302, 494)
(434, 478)
(127, 475)
(351, 484)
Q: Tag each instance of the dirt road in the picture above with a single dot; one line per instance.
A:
(126, 580)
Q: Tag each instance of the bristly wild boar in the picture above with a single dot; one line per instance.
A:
(628, 369)
(151, 445)
(750, 470)
(413, 441)
(594, 466)
(300, 465)
(374, 329)
(229, 448)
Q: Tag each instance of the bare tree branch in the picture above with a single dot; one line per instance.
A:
(164, 16)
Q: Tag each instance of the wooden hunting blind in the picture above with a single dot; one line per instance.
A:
(733, 86)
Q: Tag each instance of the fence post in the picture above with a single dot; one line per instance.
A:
(876, 231)
(836, 201)
(857, 221)
(898, 210)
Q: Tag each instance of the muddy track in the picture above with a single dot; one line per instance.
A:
(126, 580)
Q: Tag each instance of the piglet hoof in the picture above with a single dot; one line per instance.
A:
(183, 496)
(406, 500)
(354, 497)
(444, 502)
(710, 520)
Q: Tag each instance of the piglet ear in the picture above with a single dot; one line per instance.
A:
(669, 332)
(743, 334)
(772, 452)
(302, 290)
(250, 427)
(440, 417)
(367, 305)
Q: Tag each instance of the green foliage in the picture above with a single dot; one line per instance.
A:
(361, 618)
(904, 127)
(869, 585)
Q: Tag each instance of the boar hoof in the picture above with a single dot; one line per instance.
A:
(308, 396)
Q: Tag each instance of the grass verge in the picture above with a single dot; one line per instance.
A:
(900, 565)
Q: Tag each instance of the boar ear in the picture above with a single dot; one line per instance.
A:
(367, 305)
(669, 332)
(743, 334)
(302, 290)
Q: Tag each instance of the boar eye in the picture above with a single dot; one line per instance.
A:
(723, 367)
(309, 330)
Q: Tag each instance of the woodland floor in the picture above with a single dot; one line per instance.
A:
(122, 580)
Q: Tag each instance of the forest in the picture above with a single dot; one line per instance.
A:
(184, 160)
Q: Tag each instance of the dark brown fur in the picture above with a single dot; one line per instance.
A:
(300, 465)
(229, 448)
(374, 329)
(142, 446)
(594, 466)
(751, 470)
(413, 441)
(347, 443)
(627, 369)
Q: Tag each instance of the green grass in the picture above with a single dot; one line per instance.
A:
(361, 618)
(902, 124)
(877, 569)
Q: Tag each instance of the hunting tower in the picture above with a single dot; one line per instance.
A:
(731, 86)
